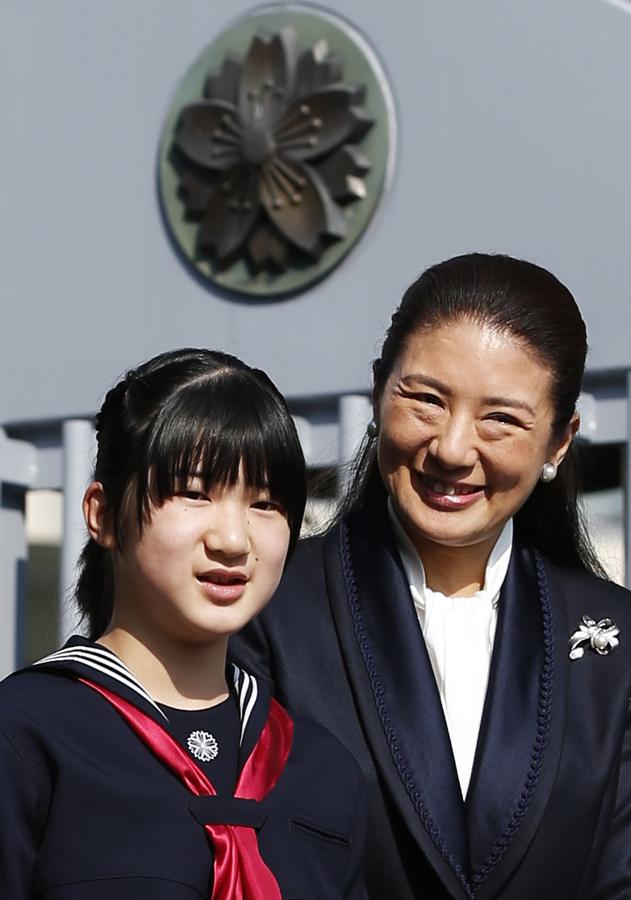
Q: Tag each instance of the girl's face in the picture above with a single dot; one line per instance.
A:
(465, 425)
(205, 563)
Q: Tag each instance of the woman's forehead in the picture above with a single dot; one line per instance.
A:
(474, 358)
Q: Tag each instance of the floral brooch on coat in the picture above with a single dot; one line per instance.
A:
(601, 637)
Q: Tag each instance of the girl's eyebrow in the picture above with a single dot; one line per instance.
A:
(263, 486)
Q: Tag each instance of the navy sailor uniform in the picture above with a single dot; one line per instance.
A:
(89, 813)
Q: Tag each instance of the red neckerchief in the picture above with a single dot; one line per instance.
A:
(239, 871)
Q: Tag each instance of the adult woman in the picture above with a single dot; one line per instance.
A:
(496, 763)
(138, 763)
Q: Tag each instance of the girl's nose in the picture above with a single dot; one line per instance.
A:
(454, 445)
(228, 532)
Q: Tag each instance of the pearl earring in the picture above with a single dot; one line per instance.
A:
(548, 472)
(372, 429)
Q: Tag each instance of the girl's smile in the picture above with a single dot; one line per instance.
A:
(223, 585)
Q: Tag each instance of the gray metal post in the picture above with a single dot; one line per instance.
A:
(627, 490)
(78, 442)
(355, 412)
(17, 471)
(13, 559)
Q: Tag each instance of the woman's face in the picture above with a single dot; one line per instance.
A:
(465, 425)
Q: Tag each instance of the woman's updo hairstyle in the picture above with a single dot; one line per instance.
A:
(183, 412)
(524, 301)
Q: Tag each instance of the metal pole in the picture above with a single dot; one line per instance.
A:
(78, 442)
(13, 561)
(627, 490)
(354, 412)
(18, 466)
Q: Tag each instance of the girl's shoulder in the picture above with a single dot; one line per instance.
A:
(40, 715)
(46, 699)
(29, 696)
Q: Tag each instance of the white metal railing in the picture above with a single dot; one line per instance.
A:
(23, 467)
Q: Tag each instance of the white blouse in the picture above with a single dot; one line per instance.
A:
(459, 634)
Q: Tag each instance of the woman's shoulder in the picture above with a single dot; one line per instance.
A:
(588, 594)
(313, 552)
(587, 581)
(308, 550)
(321, 741)
(305, 569)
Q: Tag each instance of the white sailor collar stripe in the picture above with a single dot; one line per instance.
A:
(104, 661)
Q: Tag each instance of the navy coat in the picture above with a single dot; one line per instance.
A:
(548, 812)
(88, 813)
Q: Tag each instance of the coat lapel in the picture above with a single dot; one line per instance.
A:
(395, 690)
(518, 752)
(473, 847)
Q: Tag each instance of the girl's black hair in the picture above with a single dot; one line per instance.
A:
(183, 412)
(525, 301)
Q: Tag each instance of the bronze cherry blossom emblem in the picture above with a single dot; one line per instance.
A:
(269, 165)
(271, 152)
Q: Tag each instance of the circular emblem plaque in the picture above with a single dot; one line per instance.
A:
(275, 151)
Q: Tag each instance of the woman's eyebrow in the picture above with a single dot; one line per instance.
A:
(510, 402)
(418, 379)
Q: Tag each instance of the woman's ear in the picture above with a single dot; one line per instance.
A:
(97, 516)
(376, 366)
(376, 376)
(568, 436)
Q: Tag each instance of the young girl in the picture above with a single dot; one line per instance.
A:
(139, 762)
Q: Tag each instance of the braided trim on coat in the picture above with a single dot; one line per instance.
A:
(384, 716)
(541, 738)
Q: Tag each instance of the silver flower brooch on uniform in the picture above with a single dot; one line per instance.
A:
(601, 637)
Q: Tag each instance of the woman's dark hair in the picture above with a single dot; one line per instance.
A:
(182, 412)
(527, 302)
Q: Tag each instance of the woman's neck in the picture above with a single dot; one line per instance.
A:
(184, 676)
(455, 571)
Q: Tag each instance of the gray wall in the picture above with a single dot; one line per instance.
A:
(514, 135)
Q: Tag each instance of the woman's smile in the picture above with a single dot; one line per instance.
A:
(449, 495)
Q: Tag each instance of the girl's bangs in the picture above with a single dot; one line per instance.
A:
(216, 431)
